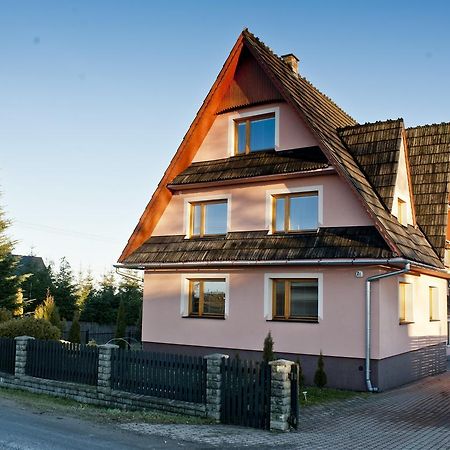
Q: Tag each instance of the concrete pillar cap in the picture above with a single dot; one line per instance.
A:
(216, 356)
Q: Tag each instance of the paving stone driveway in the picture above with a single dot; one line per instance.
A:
(416, 416)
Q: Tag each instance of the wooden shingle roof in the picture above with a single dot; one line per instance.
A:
(337, 242)
(325, 118)
(429, 157)
(376, 148)
(253, 165)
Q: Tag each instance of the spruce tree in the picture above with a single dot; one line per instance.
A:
(320, 377)
(65, 290)
(74, 332)
(10, 297)
(121, 324)
(268, 348)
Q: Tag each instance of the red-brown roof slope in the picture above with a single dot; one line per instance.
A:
(429, 158)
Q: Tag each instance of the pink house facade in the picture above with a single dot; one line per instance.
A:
(280, 213)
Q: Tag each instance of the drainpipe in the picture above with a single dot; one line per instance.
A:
(369, 280)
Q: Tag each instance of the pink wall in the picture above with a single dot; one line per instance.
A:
(293, 133)
(340, 333)
(394, 338)
(249, 205)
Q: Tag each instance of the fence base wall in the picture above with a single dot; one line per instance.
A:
(92, 395)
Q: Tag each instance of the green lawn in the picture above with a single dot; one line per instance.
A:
(54, 405)
(316, 396)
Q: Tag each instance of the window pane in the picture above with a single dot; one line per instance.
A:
(304, 298)
(216, 218)
(279, 298)
(195, 297)
(262, 134)
(197, 218)
(279, 213)
(303, 213)
(214, 297)
(241, 137)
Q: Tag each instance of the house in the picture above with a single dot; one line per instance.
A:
(280, 212)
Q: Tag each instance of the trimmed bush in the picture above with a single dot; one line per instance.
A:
(29, 326)
(320, 377)
(75, 331)
(268, 348)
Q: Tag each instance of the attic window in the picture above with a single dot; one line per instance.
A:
(254, 134)
(401, 212)
(208, 218)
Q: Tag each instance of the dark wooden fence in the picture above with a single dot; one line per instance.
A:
(175, 377)
(64, 362)
(7, 355)
(245, 393)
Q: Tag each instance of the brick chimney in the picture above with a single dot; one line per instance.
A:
(292, 61)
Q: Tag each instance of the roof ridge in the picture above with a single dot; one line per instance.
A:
(246, 31)
(428, 125)
(367, 124)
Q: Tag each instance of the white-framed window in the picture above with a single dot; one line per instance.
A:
(402, 212)
(293, 296)
(294, 210)
(205, 295)
(207, 215)
(433, 301)
(255, 130)
(405, 302)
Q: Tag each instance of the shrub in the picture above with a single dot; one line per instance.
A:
(75, 332)
(49, 311)
(268, 348)
(320, 377)
(29, 326)
(5, 314)
(301, 376)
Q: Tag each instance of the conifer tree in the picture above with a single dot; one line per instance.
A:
(268, 348)
(320, 377)
(75, 332)
(65, 290)
(10, 295)
(121, 325)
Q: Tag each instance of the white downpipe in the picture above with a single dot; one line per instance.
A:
(369, 280)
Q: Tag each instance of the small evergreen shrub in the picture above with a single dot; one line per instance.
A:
(49, 311)
(74, 332)
(320, 377)
(268, 348)
(29, 326)
(5, 314)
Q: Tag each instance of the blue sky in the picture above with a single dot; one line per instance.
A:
(95, 96)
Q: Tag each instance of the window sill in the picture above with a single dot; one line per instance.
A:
(404, 322)
(435, 320)
(204, 317)
(293, 320)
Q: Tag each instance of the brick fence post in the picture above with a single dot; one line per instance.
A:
(21, 354)
(213, 385)
(104, 370)
(280, 395)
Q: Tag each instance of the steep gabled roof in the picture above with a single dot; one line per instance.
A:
(254, 164)
(323, 117)
(429, 158)
(376, 148)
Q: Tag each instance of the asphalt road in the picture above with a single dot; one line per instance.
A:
(24, 428)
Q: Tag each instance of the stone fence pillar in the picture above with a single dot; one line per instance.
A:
(280, 396)
(21, 354)
(213, 385)
(104, 370)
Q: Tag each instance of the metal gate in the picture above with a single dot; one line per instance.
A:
(293, 416)
(245, 393)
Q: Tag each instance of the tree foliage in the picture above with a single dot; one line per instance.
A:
(320, 377)
(10, 295)
(75, 330)
(49, 311)
(268, 348)
(121, 324)
(64, 290)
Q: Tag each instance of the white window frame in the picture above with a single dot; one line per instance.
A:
(296, 190)
(268, 290)
(185, 280)
(203, 198)
(255, 113)
(433, 305)
(409, 314)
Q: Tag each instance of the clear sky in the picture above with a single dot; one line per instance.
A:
(95, 96)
